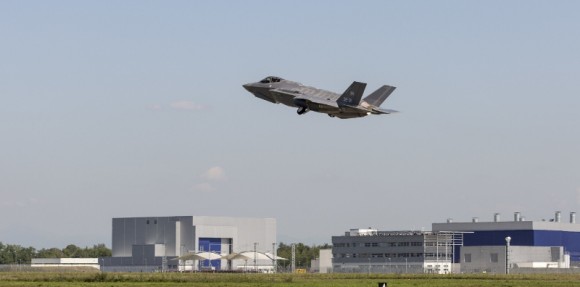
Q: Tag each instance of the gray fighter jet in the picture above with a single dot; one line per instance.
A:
(345, 106)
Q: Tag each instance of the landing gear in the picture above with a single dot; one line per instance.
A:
(302, 110)
(331, 115)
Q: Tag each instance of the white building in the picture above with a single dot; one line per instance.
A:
(153, 243)
(65, 262)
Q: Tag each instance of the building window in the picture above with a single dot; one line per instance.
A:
(493, 257)
(403, 244)
(147, 221)
(467, 257)
(416, 243)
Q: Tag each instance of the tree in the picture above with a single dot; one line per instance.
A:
(99, 250)
(15, 254)
(50, 253)
(72, 251)
(304, 253)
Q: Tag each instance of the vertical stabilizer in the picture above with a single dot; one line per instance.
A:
(377, 97)
(353, 94)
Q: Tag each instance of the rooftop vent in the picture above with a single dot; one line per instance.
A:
(517, 216)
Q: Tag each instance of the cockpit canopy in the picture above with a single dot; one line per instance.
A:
(271, 79)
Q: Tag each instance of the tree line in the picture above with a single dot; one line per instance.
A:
(16, 254)
(304, 254)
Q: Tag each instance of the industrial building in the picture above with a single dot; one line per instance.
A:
(532, 244)
(373, 251)
(154, 243)
(497, 246)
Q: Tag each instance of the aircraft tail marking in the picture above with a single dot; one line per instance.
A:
(377, 97)
(352, 95)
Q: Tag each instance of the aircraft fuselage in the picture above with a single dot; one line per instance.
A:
(305, 98)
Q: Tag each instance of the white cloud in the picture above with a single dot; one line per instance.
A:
(215, 173)
(186, 105)
(204, 187)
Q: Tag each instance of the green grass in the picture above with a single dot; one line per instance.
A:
(70, 279)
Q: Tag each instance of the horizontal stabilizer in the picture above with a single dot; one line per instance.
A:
(383, 111)
(377, 97)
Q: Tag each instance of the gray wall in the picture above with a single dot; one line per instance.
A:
(481, 257)
(142, 240)
(175, 233)
(478, 259)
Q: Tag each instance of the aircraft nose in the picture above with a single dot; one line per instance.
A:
(248, 87)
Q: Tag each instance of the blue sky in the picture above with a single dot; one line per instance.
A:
(135, 108)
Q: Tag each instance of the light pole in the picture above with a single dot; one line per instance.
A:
(507, 252)
(274, 263)
(369, 266)
(390, 265)
(255, 255)
(406, 265)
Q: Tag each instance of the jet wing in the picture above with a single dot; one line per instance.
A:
(308, 99)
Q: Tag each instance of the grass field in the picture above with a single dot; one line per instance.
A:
(282, 280)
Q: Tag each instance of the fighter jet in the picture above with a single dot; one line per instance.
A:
(305, 98)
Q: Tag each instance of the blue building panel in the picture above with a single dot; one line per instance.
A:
(211, 245)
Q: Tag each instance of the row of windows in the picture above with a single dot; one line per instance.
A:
(436, 243)
(391, 255)
(379, 244)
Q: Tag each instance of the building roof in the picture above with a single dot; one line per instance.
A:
(506, 225)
